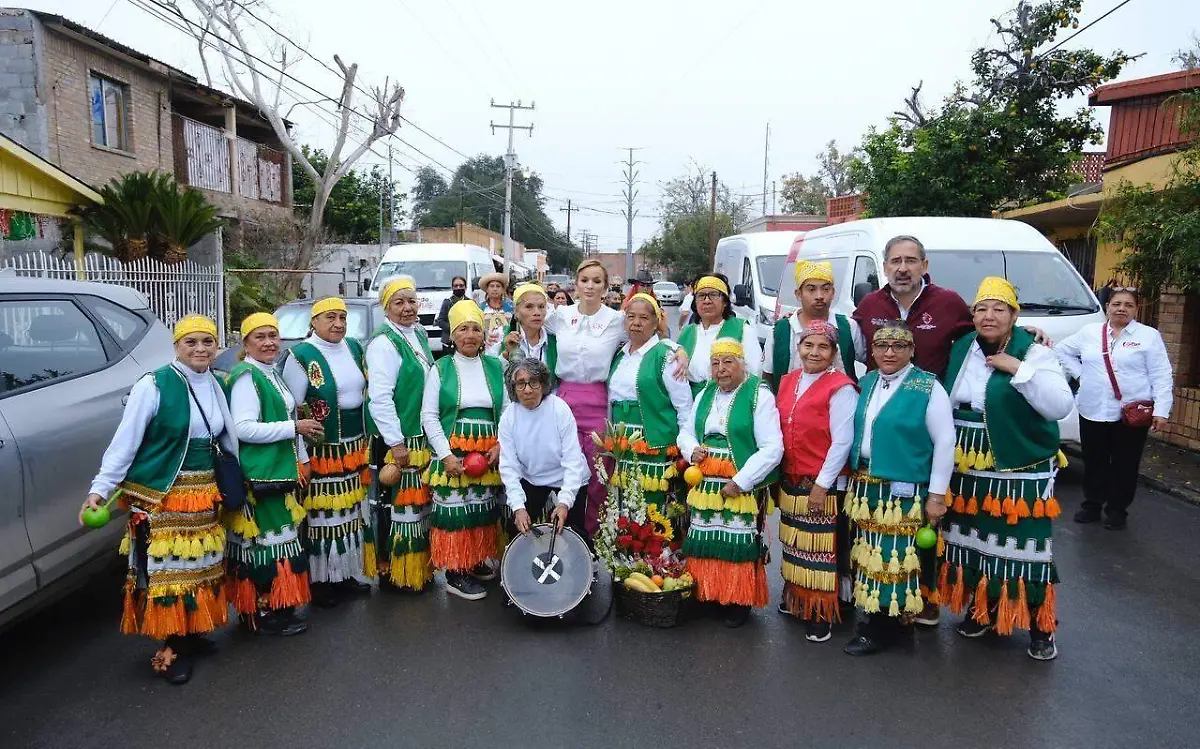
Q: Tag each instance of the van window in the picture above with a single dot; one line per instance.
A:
(1045, 281)
(787, 282)
(426, 274)
(865, 271)
(770, 268)
(45, 340)
(294, 321)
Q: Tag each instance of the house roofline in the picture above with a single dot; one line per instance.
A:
(1155, 85)
(37, 163)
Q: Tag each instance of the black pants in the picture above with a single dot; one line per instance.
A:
(536, 500)
(1112, 453)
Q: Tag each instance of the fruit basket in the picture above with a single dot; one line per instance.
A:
(640, 599)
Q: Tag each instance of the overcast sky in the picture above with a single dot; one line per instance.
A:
(682, 81)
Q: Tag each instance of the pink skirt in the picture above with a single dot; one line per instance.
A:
(589, 405)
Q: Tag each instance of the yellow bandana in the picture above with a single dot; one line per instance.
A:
(727, 347)
(995, 287)
(391, 287)
(527, 288)
(807, 270)
(464, 312)
(711, 282)
(258, 320)
(649, 299)
(328, 304)
(194, 324)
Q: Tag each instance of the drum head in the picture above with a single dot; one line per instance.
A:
(543, 584)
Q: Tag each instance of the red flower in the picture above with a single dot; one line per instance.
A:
(624, 541)
(638, 547)
(622, 523)
(320, 410)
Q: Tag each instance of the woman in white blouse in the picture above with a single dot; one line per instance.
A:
(268, 567)
(541, 465)
(527, 336)
(160, 463)
(712, 317)
(1112, 449)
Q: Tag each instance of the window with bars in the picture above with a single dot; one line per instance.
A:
(1082, 254)
(110, 113)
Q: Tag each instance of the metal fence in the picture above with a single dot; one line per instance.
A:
(172, 290)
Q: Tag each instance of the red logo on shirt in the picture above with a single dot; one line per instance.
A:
(1130, 344)
(927, 322)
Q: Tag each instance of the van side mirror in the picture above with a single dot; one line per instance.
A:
(861, 290)
(475, 285)
(366, 282)
(742, 297)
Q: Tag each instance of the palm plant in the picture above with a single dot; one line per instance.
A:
(127, 219)
(184, 217)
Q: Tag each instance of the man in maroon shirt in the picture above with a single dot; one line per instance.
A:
(937, 316)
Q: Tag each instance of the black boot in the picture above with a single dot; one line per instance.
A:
(281, 623)
(867, 637)
(736, 616)
(324, 595)
(352, 588)
(173, 661)
(201, 645)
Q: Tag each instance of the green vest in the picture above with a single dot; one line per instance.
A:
(731, 328)
(1018, 435)
(742, 444)
(410, 381)
(781, 349)
(905, 450)
(160, 456)
(266, 462)
(321, 385)
(660, 423)
(551, 350)
(448, 397)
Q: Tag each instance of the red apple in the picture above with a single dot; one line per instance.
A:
(475, 464)
(681, 465)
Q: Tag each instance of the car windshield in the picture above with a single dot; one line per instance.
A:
(294, 318)
(426, 274)
(558, 279)
(770, 269)
(1045, 282)
(665, 286)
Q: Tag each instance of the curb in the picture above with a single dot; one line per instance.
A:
(1190, 496)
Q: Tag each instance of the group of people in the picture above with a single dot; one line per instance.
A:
(953, 427)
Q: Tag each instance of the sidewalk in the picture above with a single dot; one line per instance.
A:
(1166, 468)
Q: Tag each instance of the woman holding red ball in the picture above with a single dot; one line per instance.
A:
(464, 396)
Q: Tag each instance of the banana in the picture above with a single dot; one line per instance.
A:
(645, 581)
(638, 585)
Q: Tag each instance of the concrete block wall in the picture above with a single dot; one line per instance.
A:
(22, 113)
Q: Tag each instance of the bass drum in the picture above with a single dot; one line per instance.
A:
(549, 574)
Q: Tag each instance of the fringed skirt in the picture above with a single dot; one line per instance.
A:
(403, 533)
(464, 526)
(654, 469)
(176, 552)
(267, 566)
(887, 568)
(724, 547)
(811, 550)
(999, 555)
(338, 536)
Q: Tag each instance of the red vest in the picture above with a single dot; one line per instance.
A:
(805, 423)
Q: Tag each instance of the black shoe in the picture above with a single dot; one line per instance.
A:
(1087, 515)
(353, 588)
(1042, 647)
(201, 645)
(863, 645)
(1115, 523)
(783, 609)
(736, 616)
(324, 595)
(930, 616)
(817, 631)
(464, 586)
(173, 665)
(280, 624)
(484, 572)
(971, 629)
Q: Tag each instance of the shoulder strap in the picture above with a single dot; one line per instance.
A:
(212, 437)
(1112, 376)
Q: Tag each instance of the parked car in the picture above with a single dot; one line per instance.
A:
(69, 353)
(752, 263)
(667, 293)
(564, 281)
(363, 316)
(961, 251)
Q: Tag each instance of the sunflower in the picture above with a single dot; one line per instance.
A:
(662, 526)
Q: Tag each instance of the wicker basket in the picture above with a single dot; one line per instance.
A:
(654, 609)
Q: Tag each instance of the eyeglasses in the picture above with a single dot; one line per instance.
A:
(708, 295)
(527, 385)
(898, 348)
(1126, 289)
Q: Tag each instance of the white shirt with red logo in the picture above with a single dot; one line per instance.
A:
(1139, 360)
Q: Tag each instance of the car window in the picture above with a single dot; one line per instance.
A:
(865, 271)
(125, 326)
(665, 286)
(787, 281)
(45, 340)
(426, 274)
(1044, 281)
(770, 268)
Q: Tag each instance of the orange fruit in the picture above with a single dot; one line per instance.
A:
(693, 475)
(657, 580)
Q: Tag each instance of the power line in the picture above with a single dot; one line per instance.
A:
(1084, 28)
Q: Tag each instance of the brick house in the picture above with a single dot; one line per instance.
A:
(98, 109)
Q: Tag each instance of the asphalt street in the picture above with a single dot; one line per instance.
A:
(439, 671)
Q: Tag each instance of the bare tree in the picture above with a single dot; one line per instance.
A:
(224, 26)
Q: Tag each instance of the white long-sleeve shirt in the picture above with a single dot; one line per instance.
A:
(586, 343)
(472, 384)
(767, 435)
(351, 384)
(794, 324)
(700, 365)
(1139, 360)
(939, 421)
(1039, 380)
(383, 364)
(527, 350)
(142, 406)
(622, 386)
(541, 446)
(246, 408)
(842, 405)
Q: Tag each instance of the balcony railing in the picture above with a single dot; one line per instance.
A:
(202, 160)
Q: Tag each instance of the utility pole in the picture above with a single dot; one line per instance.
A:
(510, 164)
(712, 223)
(766, 161)
(569, 210)
(382, 246)
(773, 208)
(391, 200)
(630, 194)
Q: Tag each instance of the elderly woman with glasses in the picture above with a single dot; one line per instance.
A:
(541, 463)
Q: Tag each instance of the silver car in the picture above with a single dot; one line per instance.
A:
(69, 353)
(667, 293)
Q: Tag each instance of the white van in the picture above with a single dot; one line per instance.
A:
(433, 266)
(753, 263)
(961, 252)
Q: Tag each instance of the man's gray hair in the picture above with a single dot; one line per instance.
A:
(901, 239)
(534, 367)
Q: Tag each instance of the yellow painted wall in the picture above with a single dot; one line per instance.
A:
(31, 189)
(1154, 171)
